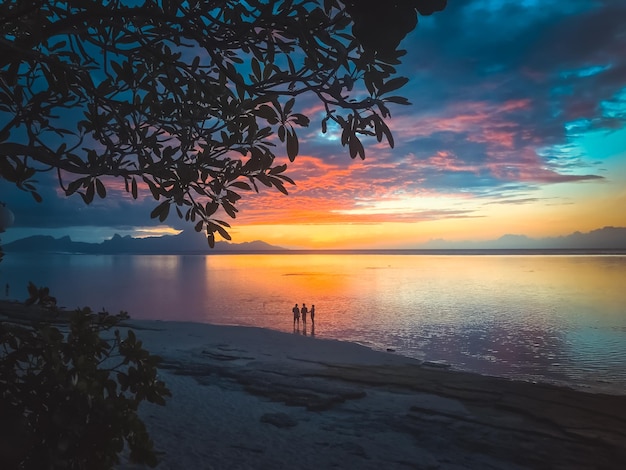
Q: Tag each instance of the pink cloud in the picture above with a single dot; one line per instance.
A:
(529, 167)
(447, 161)
(478, 118)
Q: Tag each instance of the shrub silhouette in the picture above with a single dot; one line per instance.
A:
(69, 392)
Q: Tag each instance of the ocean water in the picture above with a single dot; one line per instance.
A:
(557, 318)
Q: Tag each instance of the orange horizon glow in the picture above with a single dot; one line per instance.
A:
(321, 212)
(525, 140)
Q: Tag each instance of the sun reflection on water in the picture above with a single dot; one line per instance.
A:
(556, 318)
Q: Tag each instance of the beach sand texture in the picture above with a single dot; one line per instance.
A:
(249, 398)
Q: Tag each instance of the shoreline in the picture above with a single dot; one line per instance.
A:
(247, 397)
(277, 400)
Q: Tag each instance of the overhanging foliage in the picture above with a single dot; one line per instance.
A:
(192, 100)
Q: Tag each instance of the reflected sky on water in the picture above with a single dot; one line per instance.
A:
(558, 318)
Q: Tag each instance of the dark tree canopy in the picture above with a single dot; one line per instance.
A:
(187, 97)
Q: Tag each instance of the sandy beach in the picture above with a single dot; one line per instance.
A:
(251, 398)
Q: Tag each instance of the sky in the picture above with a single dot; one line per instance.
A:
(517, 126)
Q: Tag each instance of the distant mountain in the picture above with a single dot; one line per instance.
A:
(184, 242)
(607, 238)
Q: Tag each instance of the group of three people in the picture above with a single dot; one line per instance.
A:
(302, 311)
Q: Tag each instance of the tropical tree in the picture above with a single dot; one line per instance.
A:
(190, 100)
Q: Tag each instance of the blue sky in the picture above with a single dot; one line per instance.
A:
(518, 125)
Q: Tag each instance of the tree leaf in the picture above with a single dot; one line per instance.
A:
(268, 113)
(397, 99)
(36, 196)
(161, 211)
(133, 188)
(241, 185)
(356, 148)
(392, 85)
(288, 107)
(223, 233)
(292, 145)
(256, 69)
(101, 190)
(300, 119)
(90, 193)
(210, 236)
(279, 185)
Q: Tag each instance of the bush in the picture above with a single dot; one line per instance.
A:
(69, 394)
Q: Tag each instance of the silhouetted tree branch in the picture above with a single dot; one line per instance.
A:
(187, 98)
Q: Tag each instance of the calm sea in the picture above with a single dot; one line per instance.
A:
(551, 318)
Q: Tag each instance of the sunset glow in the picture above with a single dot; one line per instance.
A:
(515, 127)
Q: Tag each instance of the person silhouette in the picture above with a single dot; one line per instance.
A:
(304, 311)
(296, 316)
(313, 314)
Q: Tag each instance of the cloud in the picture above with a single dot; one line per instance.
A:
(501, 92)
(116, 210)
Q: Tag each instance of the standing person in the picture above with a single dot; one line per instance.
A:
(304, 311)
(312, 314)
(296, 316)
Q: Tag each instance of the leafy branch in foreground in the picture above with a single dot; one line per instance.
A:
(189, 99)
(69, 394)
